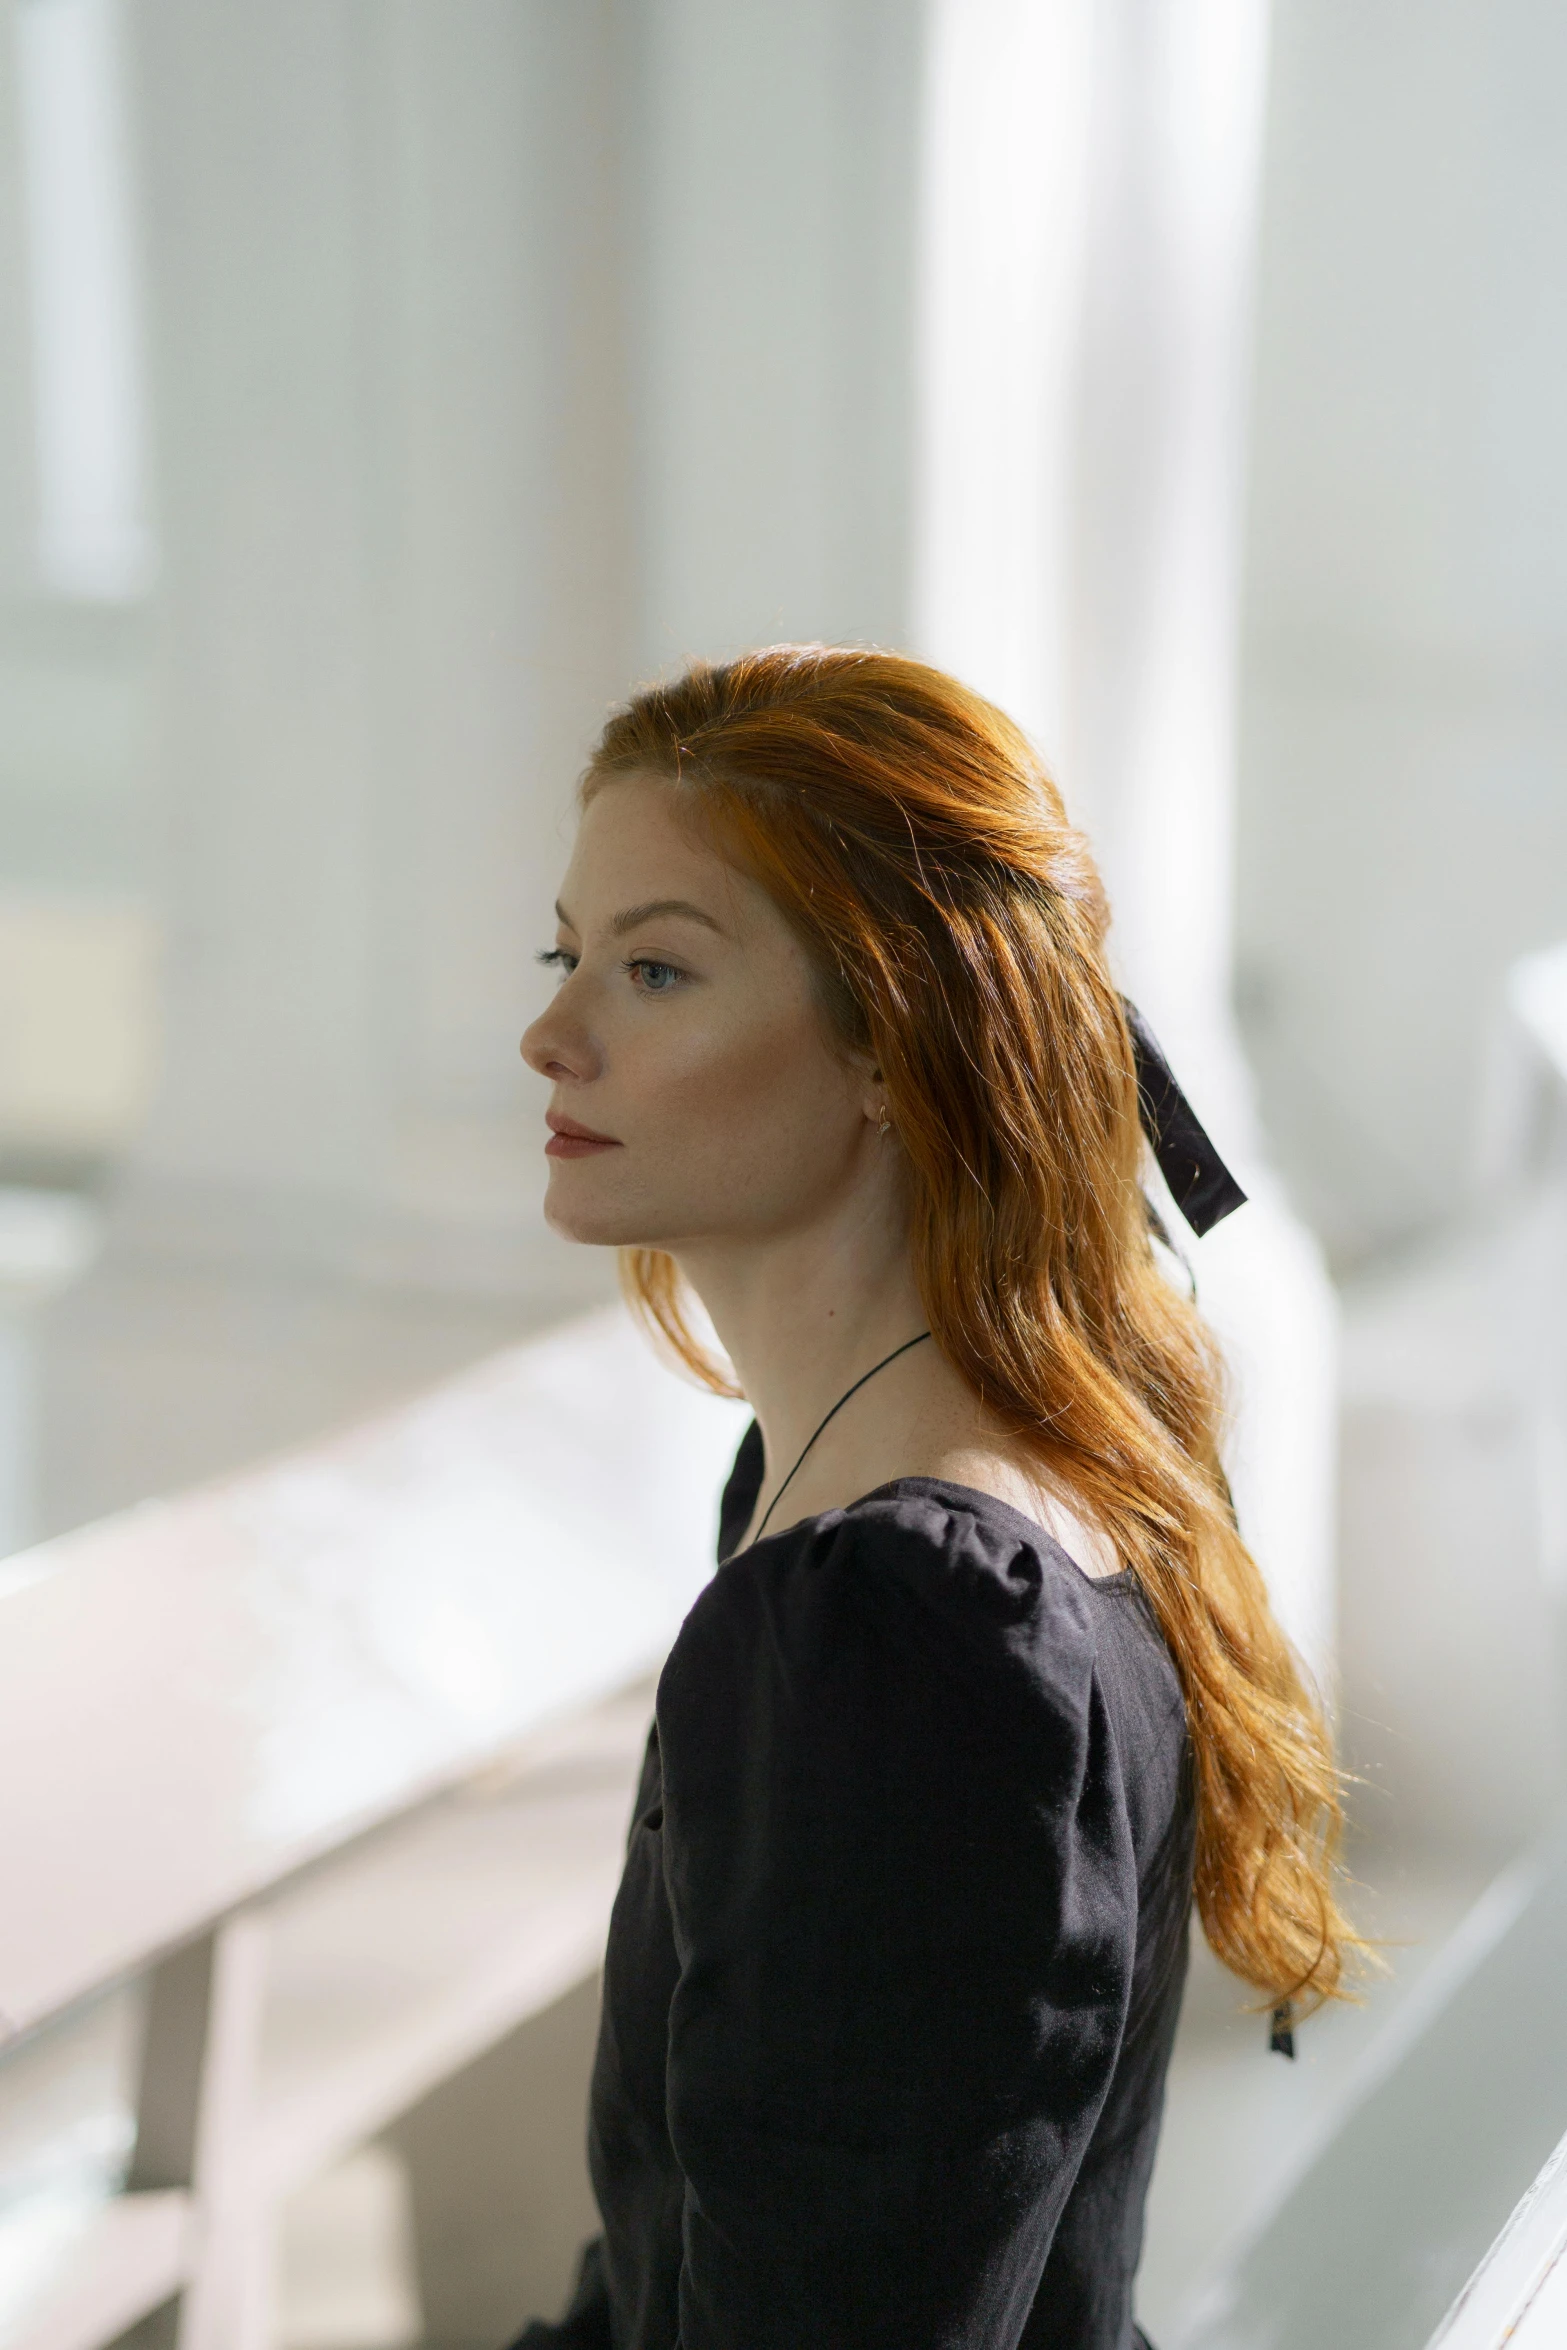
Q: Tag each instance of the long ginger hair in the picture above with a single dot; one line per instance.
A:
(956, 922)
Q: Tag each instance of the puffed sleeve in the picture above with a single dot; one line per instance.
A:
(903, 1892)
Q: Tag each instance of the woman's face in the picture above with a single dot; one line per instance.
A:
(698, 1097)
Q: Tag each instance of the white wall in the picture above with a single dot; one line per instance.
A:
(500, 353)
(1404, 754)
(77, 935)
(772, 304)
(384, 259)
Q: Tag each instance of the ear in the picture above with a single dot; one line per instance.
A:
(874, 1103)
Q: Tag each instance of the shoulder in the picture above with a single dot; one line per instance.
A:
(913, 1605)
(915, 1548)
(897, 1709)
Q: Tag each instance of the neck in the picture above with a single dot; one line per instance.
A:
(803, 1315)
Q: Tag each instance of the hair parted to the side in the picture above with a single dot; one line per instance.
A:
(955, 917)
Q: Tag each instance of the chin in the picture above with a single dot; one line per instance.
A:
(571, 1211)
(586, 1231)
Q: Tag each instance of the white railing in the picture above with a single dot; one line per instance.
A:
(1410, 2172)
(244, 1738)
(1518, 2294)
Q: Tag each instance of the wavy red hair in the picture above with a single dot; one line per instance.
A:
(908, 831)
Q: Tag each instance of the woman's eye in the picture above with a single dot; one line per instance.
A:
(652, 978)
(559, 959)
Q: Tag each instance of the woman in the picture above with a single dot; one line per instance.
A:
(986, 1686)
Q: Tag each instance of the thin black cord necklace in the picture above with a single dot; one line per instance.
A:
(832, 1415)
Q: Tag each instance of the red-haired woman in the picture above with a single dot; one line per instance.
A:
(986, 1687)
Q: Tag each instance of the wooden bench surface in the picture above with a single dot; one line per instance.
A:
(200, 1697)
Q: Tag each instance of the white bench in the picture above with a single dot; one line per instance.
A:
(1413, 2173)
(1416, 2166)
(1518, 2294)
(1517, 2297)
(337, 1751)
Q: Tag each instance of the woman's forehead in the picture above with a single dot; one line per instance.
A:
(639, 844)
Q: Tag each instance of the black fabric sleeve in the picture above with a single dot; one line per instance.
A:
(903, 1893)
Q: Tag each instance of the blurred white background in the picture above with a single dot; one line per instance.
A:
(387, 385)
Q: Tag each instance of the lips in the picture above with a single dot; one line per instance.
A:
(569, 1140)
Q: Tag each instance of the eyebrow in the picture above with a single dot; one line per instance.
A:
(633, 915)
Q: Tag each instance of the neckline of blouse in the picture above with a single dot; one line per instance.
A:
(1124, 1578)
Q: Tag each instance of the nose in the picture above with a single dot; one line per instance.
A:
(557, 1045)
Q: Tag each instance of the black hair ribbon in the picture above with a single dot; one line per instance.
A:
(1201, 1185)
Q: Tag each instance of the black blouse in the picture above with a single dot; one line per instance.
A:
(894, 1967)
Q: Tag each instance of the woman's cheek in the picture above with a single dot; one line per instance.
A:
(722, 1073)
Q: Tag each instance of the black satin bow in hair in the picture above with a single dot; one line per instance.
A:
(1201, 1185)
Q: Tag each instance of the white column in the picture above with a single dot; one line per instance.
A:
(771, 295)
(385, 327)
(1091, 202)
(47, 1241)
